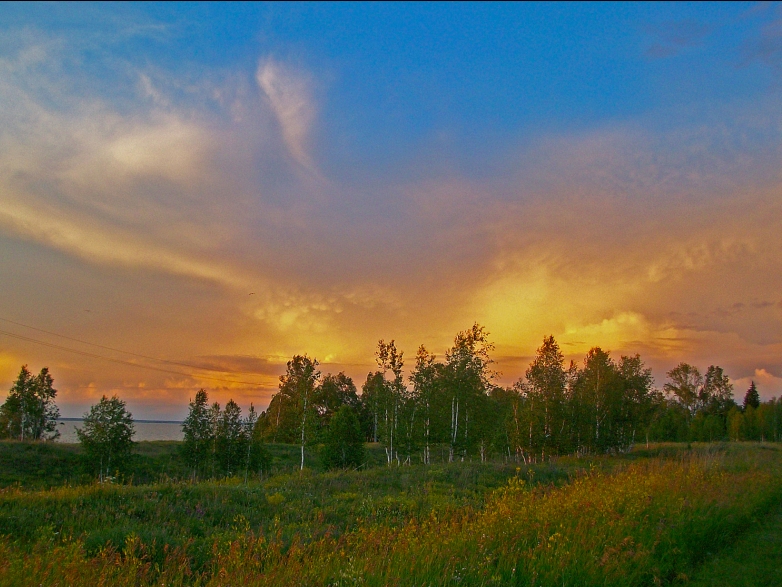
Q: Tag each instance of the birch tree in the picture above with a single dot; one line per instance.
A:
(390, 359)
(467, 380)
(298, 385)
(425, 379)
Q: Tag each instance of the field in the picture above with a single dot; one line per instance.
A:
(670, 514)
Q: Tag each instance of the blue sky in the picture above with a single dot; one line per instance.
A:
(607, 173)
(465, 79)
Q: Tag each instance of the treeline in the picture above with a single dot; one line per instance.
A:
(447, 408)
(693, 411)
(220, 442)
(453, 406)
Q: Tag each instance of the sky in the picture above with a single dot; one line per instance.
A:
(190, 194)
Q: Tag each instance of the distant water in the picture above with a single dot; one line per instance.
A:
(145, 430)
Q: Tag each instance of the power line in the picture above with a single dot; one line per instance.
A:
(120, 361)
(108, 348)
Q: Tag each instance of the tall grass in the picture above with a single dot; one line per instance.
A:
(648, 523)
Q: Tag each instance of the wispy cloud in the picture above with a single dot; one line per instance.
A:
(671, 38)
(290, 97)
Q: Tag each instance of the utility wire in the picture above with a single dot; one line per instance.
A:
(120, 361)
(108, 348)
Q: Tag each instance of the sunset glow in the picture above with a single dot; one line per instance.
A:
(190, 195)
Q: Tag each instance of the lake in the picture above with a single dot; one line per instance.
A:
(145, 430)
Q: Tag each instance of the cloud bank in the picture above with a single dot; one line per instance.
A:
(179, 222)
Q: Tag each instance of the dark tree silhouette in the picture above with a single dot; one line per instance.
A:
(752, 398)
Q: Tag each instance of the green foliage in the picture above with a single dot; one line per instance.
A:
(107, 435)
(344, 447)
(698, 408)
(670, 423)
(29, 412)
(54, 464)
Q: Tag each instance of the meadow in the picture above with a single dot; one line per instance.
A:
(652, 516)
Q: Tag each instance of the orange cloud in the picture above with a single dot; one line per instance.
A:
(181, 233)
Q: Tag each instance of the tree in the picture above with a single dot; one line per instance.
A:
(508, 438)
(29, 411)
(258, 458)
(344, 445)
(334, 392)
(197, 433)
(425, 381)
(297, 387)
(281, 417)
(215, 416)
(685, 386)
(389, 358)
(107, 435)
(707, 400)
(716, 395)
(545, 397)
(467, 379)
(637, 381)
(231, 439)
(596, 400)
(752, 397)
(372, 398)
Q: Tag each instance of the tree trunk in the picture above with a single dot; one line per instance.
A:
(303, 422)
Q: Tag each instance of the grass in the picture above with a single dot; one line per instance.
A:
(45, 465)
(647, 518)
(287, 507)
(754, 560)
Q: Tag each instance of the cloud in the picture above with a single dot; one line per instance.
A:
(290, 97)
(167, 211)
(765, 45)
(671, 38)
(769, 385)
(107, 246)
(243, 364)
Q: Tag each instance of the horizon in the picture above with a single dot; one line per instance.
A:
(206, 190)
